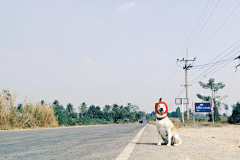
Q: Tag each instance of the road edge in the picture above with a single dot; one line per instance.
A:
(125, 154)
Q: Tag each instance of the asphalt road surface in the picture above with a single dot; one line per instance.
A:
(89, 142)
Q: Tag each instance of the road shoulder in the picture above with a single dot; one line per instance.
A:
(146, 148)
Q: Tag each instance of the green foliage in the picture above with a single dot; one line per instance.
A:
(70, 108)
(94, 114)
(211, 85)
(176, 114)
(107, 108)
(214, 87)
(204, 98)
(82, 109)
(235, 117)
(60, 113)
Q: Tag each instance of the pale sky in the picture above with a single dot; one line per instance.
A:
(104, 52)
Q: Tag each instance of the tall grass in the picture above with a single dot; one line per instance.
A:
(28, 116)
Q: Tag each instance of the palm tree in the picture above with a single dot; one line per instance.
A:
(107, 108)
(82, 109)
(70, 108)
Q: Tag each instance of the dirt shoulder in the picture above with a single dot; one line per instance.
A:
(198, 143)
(226, 138)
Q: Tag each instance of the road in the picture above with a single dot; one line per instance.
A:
(88, 142)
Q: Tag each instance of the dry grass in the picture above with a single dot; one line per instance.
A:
(200, 122)
(31, 116)
(175, 121)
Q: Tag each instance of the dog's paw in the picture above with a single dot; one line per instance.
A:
(159, 144)
(168, 145)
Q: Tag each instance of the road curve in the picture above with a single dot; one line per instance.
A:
(89, 142)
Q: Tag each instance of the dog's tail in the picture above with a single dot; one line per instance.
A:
(180, 142)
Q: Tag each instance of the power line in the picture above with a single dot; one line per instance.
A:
(231, 83)
(221, 55)
(169, 80)
(194, 29)
(218, 29)
(211, 71)
(210, 64)
(174, 87)
(204, 24)
(177, 95)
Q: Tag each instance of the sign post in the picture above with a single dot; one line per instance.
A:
(193, 113)
(182, 112)
(181, 101)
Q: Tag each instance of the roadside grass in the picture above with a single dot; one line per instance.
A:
(199, 122)
(28, 116)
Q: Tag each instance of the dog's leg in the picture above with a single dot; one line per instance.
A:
(177, 140)
(159, 139)
(169, 136)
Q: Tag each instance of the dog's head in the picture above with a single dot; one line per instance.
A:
(161, 108)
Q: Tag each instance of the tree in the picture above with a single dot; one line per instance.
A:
(91, 112)
(178, 113)
(82, 109)
(133, 108)
(20, 108)
(99, 113)
(42, 102)
(107, 108)
(214, 87)
(56, 103)
(115, 107)
(70, 108)
(235, 117)
(59, 112)
(226, 108)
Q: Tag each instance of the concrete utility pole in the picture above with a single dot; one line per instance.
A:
(186, 68)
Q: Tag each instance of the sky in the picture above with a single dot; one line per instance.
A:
(117, 52)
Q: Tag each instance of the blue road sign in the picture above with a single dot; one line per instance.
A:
(202, 107)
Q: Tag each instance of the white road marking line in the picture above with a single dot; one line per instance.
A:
(125, 154)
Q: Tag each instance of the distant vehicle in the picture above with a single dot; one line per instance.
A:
(141, 121)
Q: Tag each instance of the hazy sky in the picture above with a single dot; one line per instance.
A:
(104, 52)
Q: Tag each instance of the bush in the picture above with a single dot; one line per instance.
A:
(175, 120)
(223, 119)
(201, 119)
(235, 117)
(89, 121)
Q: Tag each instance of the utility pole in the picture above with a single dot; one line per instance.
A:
(186, 68)
(238, 64)
(213, 106)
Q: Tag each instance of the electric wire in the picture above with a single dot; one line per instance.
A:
(231, 83)
(174, 87)
(212, 71)
(204, 24)
(194, 29)
(169, 80)
(210, 64)
(208, 74)
(220, 55)
(177, 95)
(218, 29)
(213, 66)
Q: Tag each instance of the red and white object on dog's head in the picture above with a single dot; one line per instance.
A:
(161, 108)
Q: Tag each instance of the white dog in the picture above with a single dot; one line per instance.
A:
(166, 129)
